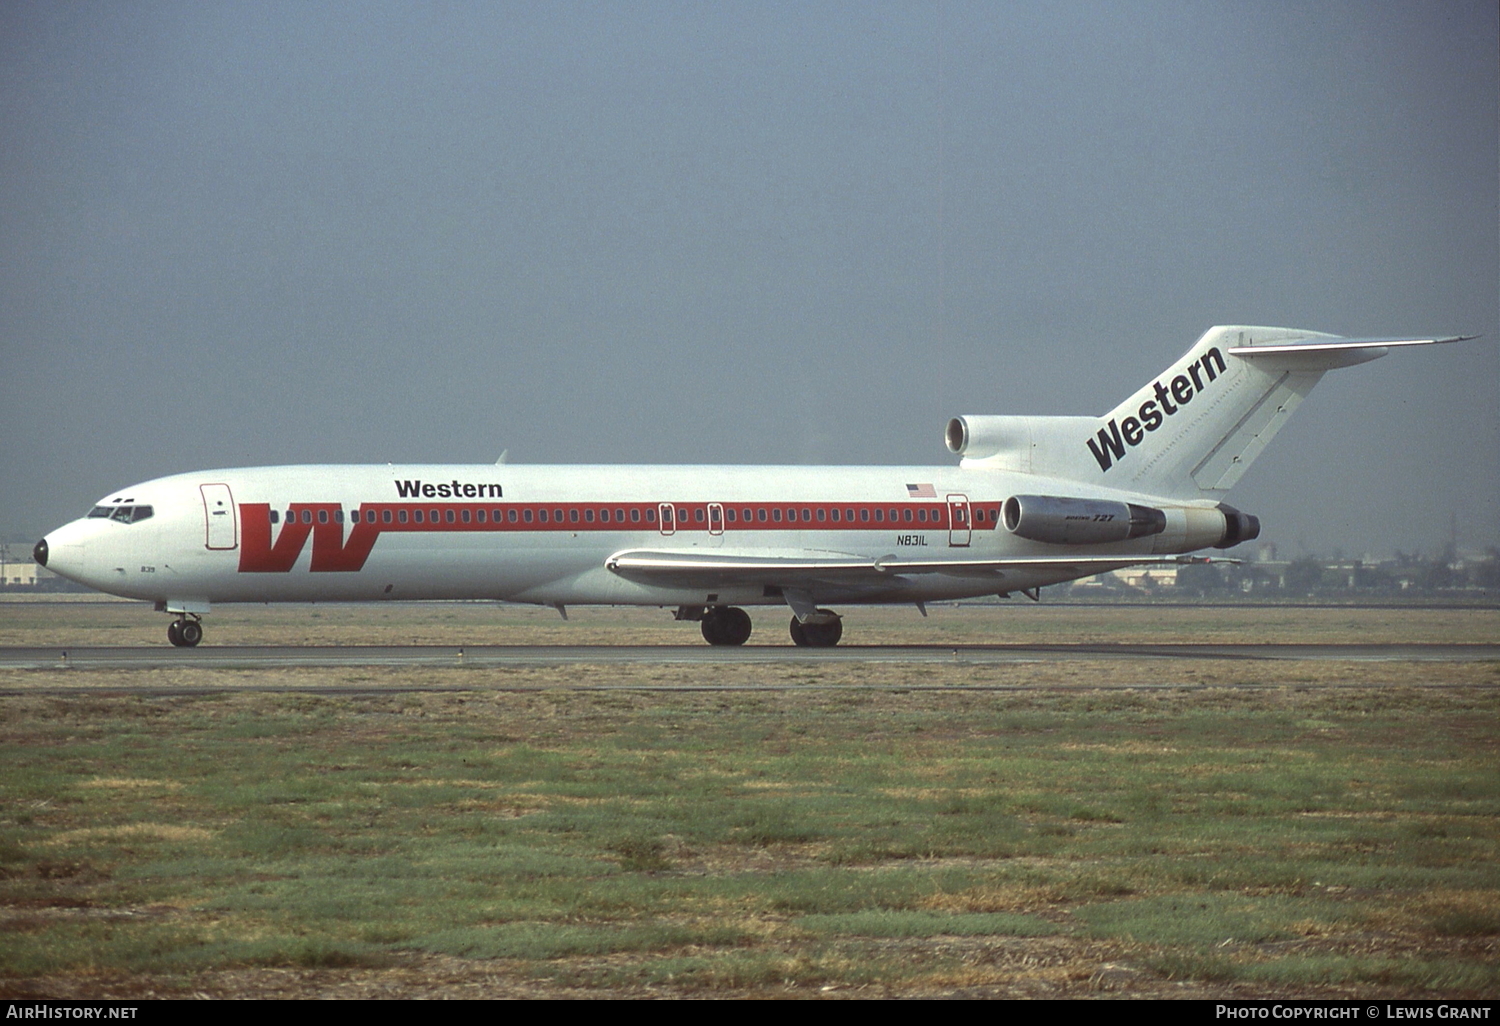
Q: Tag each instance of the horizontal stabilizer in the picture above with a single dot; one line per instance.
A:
(1346, 343)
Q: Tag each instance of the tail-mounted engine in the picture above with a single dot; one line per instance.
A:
(1057, 520)
(1048, 518)
(1238, 527)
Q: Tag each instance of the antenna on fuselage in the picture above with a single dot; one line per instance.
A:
(504, 455)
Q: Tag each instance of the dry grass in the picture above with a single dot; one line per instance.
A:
(1161, 828)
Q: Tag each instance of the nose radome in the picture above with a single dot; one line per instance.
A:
(39, 552)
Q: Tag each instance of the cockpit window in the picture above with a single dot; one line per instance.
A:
(123, 514)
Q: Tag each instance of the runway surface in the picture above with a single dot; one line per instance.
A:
(257, 656)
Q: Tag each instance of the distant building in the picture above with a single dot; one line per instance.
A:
(18, 572)
(1147, 576)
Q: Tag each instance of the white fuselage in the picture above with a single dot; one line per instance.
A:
(545, 534)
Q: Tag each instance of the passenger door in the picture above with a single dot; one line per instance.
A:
(221, 520)
(959, 528)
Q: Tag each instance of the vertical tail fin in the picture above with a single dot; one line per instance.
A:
(1193, 431)
(1189, 434)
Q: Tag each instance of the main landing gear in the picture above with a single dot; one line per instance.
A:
(726, 625)
(186, 631)
(822, 633)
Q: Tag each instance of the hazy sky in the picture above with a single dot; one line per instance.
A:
(254, 233)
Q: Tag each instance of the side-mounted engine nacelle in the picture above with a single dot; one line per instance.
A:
(1238, 527)
(1058, 520)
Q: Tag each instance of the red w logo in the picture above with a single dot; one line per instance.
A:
(330, 553)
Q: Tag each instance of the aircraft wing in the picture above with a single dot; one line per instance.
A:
(806, 567)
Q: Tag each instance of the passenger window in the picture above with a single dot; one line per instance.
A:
(275, 517)
(619, 516)
(835, 514)
(509, 515)
(291, 516)
(760, 515)
(464, 515)
(307, 516)
(604, 516)
(322, 516)
(541, 515)
(448, 515)
(338, 516)
(401, 515)
(650, 516)
(496, 514)
(635, 515)
(588, 516)
(807, 516)
(417, 515)
(776, 515)
(908, 514)
(528, 516)
(729, 513)
(557, 515)
(864, 515)
(879, 516)
(572, 516)
(698, 515)
(922, 515)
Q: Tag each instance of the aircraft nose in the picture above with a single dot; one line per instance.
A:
(39, 552)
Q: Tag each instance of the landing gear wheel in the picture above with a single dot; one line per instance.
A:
(184, 633)
(726, 625)
(817, 635)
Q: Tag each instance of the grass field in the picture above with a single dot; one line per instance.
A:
(1064, 835)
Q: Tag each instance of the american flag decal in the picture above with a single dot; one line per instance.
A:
(920, 491)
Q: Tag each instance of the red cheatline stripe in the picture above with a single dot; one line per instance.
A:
(686, 516)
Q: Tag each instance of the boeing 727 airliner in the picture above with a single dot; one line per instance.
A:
(1033, 501)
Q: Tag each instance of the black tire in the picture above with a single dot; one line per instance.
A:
(799, 632)
(174, 633)
(191, 632)
(736, 627)
(726, 625)
(713, 628)
(823, 635)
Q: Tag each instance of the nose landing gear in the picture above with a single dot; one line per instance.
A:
(186, 631)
